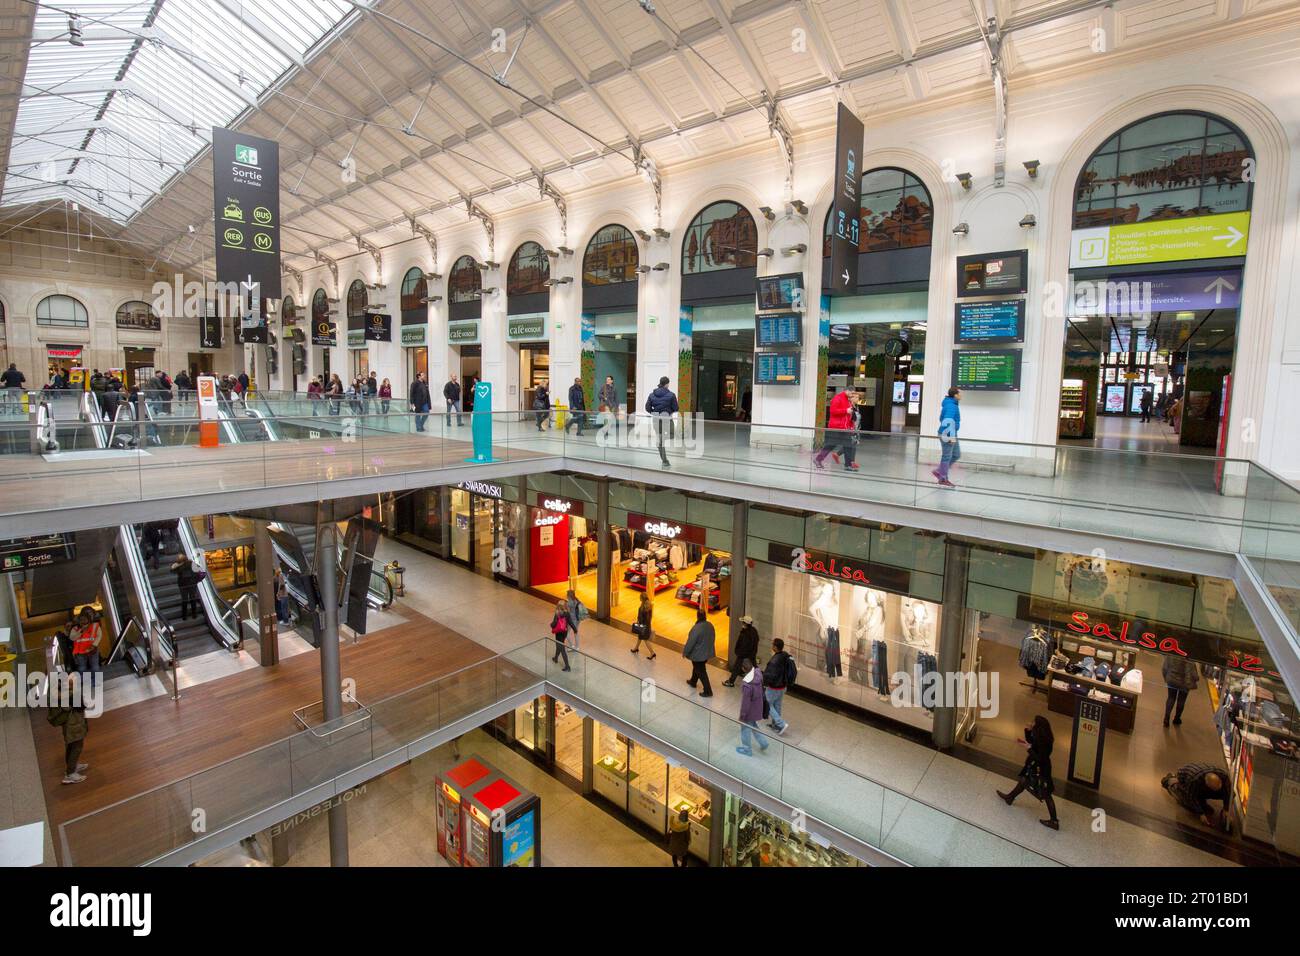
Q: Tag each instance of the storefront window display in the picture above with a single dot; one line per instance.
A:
(1173, 658)
(485, 525)
(753, 837)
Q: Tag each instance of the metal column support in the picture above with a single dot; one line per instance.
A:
(331, 678)
(588, 756)
(739, 534)
(717, 838)
(604, 553)
(268, 636)
(956, 568)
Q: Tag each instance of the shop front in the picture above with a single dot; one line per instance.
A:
(723, 346)
(484, 523)
(527, 336)
(612, 348)
(463, 337)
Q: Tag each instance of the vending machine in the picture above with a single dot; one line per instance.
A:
(449, 790)
(502, 824)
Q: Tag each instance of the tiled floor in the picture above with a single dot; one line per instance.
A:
(392, 822)
(503, 618)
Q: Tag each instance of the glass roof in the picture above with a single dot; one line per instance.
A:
(108, 123)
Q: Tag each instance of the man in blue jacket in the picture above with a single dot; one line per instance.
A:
(577, 407)
(949, 425)
(662, 405)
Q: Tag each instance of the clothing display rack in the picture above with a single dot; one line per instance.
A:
(1035, 655)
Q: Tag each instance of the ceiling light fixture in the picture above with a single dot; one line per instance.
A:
(965, 180)
(74, 30)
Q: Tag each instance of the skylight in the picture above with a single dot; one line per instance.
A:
(108, 122)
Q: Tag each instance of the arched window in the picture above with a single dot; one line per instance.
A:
(320, 307)
(464, 281)
(138, 316)
(414, 291)
(357, 305)
(722, 236)
(528, 271)
(63, 311)
(895, 212)
(611, 257)
(1168, 166)
(288, 311)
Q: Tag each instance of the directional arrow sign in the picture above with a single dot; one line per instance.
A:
(1161, 240)
(845, 276)
(1217, 287)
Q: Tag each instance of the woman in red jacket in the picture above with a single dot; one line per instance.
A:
(839, 434)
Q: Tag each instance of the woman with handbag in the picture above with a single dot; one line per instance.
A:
(642, 628)
(1036, 774)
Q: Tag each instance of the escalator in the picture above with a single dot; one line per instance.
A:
(244, 424)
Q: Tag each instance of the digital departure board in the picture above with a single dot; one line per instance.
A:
(782, 328)
(783, 293)
(989, 370)
(776, 368)
(990, 322)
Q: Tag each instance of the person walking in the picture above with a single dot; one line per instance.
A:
(560, 622)
(1181, 678)
(542, 405)
(84, 637)
(419, 401)
(372, 391)
(838, 431)
(385, 397)
(699, 650)
(12, 380)
(152, 540)
(451, 394)
(577, 614)
(949, 425)
(751, 709)
(746, 649)
(1036, 774)
(577, 407)
(778, 677)
(1144, 405)
(184, 386)
(187, 580)
(608, 397)
(243, 383)
(69, 715)
(335, 393)
(644, 627)
(662, 406)
(679, 837)
(280, 587)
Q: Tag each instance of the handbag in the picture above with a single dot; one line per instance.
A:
(767, 708)
(638, 629)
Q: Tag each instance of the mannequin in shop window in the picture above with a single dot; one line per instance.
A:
(869, 627)
(1036, 774)
(825, 610)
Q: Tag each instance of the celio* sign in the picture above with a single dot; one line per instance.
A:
(667, 530)
(543, 519)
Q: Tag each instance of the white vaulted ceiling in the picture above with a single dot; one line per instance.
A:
(406, 89)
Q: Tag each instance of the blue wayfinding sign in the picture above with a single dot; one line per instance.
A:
(481, 424)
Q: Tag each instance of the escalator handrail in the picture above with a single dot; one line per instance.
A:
(216, 609)
(137, 578)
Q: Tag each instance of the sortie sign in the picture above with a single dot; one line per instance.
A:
(246, 209)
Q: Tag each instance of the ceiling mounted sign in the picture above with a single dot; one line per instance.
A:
(379, 327)
(846, 209)
(246, 209)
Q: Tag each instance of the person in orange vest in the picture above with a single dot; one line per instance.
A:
(85, 642)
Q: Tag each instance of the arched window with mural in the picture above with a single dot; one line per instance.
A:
(875, 342)
(356, 343)
(1160, 229)
(715, 352)
(610, 290)
(464, 310)
(415, 322)
(288, 311)
(464, 289)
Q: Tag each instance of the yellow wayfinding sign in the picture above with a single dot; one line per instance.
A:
(1163, 240)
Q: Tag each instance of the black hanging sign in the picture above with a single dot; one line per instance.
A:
(845, 205)
(379, 327)
(322, 332)
(246, 197)
(210, 331)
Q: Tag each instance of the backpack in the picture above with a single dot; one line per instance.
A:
(582, 611)
(791, 670)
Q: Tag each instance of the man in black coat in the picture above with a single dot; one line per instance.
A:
(451, 392)
(419, 399)
(746, 649)
(577, 407)
(662, 405)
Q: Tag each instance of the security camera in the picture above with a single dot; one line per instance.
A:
(1031, 167)
(792, 250)
(1029, 221)
(552, 253)
(426, 300)
(799, 206)
(767, 213)
(433, 276)
(964, 179)
(661, 267)
(961, 229)
(766, 252)
(645, 236)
